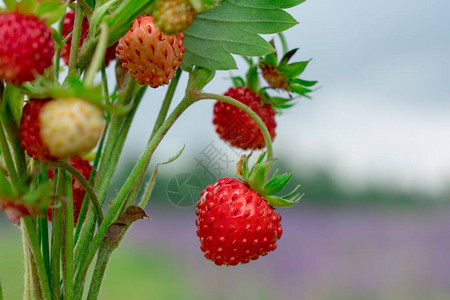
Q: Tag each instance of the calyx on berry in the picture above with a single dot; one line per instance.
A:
(259, 180)
(20, 201)
(284, 76)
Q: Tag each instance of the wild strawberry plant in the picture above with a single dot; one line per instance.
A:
(61, 138)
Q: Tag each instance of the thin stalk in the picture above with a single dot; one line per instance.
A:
(247, 110)
(57, 238)
(166, 103)
(33, 243)
(105, 83)
(8, 159)
(140, 167)
(26, 258)
(84, 207)
(86, 185)
(1, 290)
(43, 225)
(86, 8)
(99, 55)
(283, 43)
(68, 243)
(104, 254)
(37, 291)
(58, 52)
(76, 37)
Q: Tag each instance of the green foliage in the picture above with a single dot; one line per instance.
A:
(234, 28)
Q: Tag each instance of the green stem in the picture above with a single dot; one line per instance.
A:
(37, 291)
(99, 55)
(43, 225)
(26, 258)
(248, 111)
(1, 290)
(104, 253)
(76, 37)
(140, 167)
(105, 83)
(57, 238)
(33, 243)
(58, 52)
(86, 185)
(166, 103)
(84, 207)
(283, 43)
(86, 8)
(68, 245)
(8, 159)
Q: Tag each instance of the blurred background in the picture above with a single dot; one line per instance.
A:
(371, 151)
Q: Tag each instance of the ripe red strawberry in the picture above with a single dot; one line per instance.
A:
(61, 128)
(173, 16)
(236, 220)
(238, 128)
(69, 21)
(16, 209)
(26, 47)
(78, 191)
(151, 57)
(235, 224)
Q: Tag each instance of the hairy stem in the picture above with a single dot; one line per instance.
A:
(68, 242)
(86, 185)
(99, 55)
(33, 243)
(26, 259)
(76, 37)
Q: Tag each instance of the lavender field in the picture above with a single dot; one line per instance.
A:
(324, 254)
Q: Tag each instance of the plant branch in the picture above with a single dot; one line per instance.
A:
(33, 243)
(86, 185)
(76, 37)
(99, 55)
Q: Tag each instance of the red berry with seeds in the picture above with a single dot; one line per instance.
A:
(235, 224)
(69, 21)
(150, 56)
(26, 47)
(237, 127)
(78, 192)
(60, 128)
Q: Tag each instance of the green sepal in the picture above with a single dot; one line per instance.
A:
(12, 104)
(258, 180)
(277, 183)
(40, 197)
(287, 57)
(238, 81)
(295, 69)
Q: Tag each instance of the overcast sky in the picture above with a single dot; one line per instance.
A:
(383, 110)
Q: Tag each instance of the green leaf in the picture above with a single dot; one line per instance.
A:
(233, 28)
(27, 6)
(276, 184)
(51, 11)
(287, 57)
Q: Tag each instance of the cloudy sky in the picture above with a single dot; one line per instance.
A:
(383, 110)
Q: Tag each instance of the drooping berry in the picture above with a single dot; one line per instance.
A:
(26, 47)
(150, 56)
(238, 128)
(235, 225)
(60, 128)
(69, 21)
(78, 192)
(173, 16)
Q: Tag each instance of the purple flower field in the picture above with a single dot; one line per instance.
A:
(323, 254)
